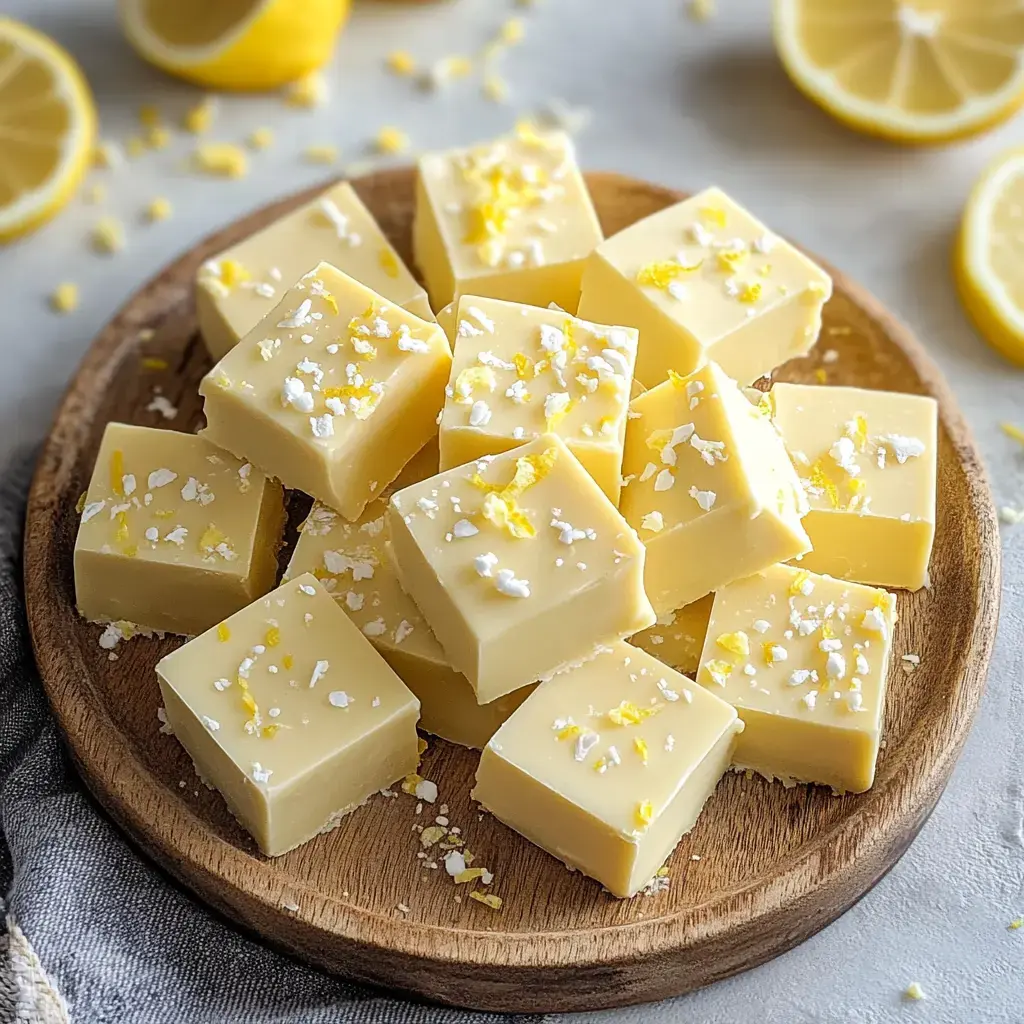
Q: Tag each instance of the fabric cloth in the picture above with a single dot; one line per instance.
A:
(93, 933)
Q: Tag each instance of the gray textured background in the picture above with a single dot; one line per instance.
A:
(686, 105)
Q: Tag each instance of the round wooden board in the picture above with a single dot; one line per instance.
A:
(775, 865)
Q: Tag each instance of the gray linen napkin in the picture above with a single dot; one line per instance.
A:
(94, 934)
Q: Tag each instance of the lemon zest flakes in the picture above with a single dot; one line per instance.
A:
(320, 153)
(64, 298)
(495, 88)
(820, 480)
(260, 138)
(735, 643)
(1011, 430)
(750, 292)
(432, 835)
(644, 813)
(198, 118)
(273, 637)
(729, 259)
(527, 133)
(121, 534)
(1016, 924)
(512, 31)
(287, 661)
(661, 273)
(768, 651)
(410, 782)
(500, 506)
(388, 262)
(308, 91)
(719, 671)
(117, 472)
(108, 235)
(391, 140)
(487, 898)
(401, 62)
(796, 588)
(640, 746)
(254, 722)
(106, 155)
(713, 215)
(505, 514)
(628, 713)
(331, 301)
(221, 159)
(469, 875)
(657, 440)
(158, 138)
(223, 633)
(859, 432)
(80, 504)
(232, 272)
(530, 469)
(678, 380)
(503, 193)
(470, 379)
(158, 209)
(211, 539)
(568, 732)
(526, 369)
(362, 393)
(858, 486)
(556, 417)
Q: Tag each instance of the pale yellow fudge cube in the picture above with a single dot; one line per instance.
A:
(241, 285)
(709, 488)
(446, 318)
(520, 565)
(705, 280)
(333, 393)
(804, 659)
(511, 219)
(609, 764)
(868, 462)
(521, 371)
(677, 638)
(175, 534)
(290, 714)
(352, 563)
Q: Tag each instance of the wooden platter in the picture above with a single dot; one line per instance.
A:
(775, 865)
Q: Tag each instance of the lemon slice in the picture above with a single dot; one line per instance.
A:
(47, 128)
(988, 262)
(234, 44)
(918, 71)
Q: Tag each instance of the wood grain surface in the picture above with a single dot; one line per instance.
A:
(775, 865)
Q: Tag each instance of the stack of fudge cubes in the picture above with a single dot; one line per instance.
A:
(568, 456)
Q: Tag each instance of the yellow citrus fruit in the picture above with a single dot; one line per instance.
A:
(47, 128)
(988, 261)
(234, 44)
(917, 71)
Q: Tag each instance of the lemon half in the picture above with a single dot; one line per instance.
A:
(917, 71)
(47, 128)
(988, 262)
(234, 44)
